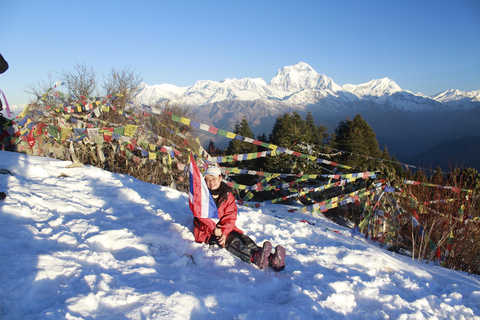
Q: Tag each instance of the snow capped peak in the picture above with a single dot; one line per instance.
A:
(385, 85)
(455, 95)
(300, 67)
(245, 83)
(376, 87)
(299, 77)
(151, 94)
(300, 85)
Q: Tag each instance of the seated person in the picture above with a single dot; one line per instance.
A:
(226, 234)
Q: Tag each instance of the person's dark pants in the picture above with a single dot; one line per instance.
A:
(239, 244)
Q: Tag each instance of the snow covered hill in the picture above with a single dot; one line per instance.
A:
(83, 243)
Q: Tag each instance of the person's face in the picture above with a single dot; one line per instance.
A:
(213, 182)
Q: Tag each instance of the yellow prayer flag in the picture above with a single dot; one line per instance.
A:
(362, 224)
(231, 135)
(130, 130)
(65, 133)
(24, 112)
(185, 121)
(152, 155)
(152, 147)
(105, 108)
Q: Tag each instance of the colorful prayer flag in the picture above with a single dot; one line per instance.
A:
(200, 200)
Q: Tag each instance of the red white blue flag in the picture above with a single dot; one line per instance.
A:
(200, 200)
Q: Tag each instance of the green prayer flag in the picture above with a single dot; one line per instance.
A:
(222, 133)
(119, 130)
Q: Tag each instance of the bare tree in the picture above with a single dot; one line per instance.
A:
(81, 82)
(124, 82)
(41, 89)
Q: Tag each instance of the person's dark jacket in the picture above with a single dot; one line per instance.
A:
(3, 65)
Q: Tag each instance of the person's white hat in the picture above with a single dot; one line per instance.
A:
(213, 171)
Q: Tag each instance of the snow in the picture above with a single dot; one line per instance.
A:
(453, 95)
(83, 243)
(300, 85)
(300, 77)
(375, 88)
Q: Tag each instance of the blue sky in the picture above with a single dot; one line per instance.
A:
(424, 46)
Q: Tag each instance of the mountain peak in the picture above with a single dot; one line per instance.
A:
(384, 85)
(301, 85)
(375, 87)
(299, 77)
(456, 95)
(299, 67)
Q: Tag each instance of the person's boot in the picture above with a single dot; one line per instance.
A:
(261, 257)
(277, 259)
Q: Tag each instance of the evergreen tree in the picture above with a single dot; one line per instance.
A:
(279, 137)
(386, 167)
(399, 171)
(239, 147)
(262, 137)
(291, 132)
(420, 176)
(357, 138)
(212, 150)
(211, 147)
(236, 146)
(438, 176)
(315, 136)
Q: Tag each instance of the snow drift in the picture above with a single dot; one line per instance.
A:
(83, 243)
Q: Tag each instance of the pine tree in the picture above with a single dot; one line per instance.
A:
(420, 176)
(438, 176)
(399, 171)
(291, 132)
(315, 137)
(262, 137)
(212, 150)
(239, 147)
(357, 139)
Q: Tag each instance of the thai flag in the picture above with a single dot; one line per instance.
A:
(200, 200)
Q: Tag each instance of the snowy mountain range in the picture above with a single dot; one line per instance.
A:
(300, 85)
(409, 123)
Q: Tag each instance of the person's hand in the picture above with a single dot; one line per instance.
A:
(217, 231)
(222, 240)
